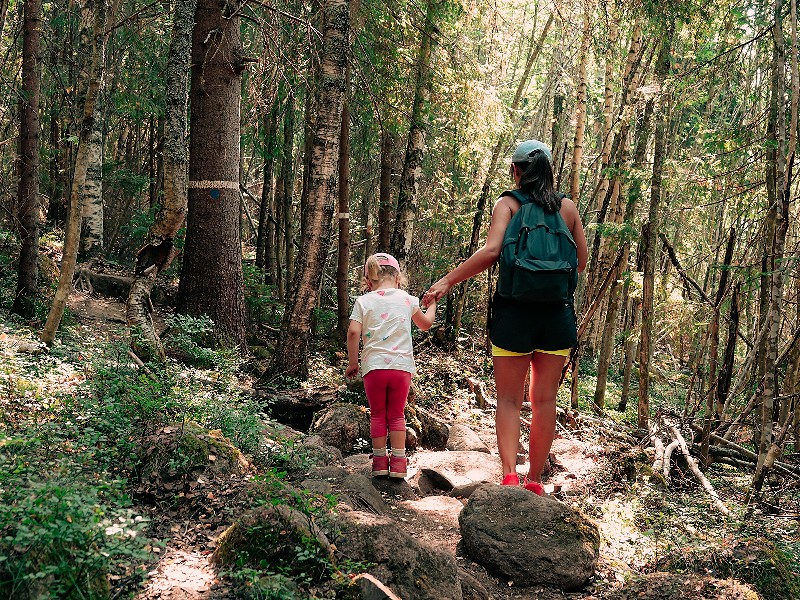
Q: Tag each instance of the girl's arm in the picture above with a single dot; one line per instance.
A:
(424, 319)
(483, 258)
(353, 339)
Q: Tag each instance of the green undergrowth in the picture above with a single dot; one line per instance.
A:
(691, 537)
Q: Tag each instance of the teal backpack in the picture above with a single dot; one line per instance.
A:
(539, 258)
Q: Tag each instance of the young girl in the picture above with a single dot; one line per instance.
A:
(381, 319)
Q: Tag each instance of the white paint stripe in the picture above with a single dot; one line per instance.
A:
(205, 185)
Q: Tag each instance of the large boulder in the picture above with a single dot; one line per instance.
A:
(457, 473)
(353, 490)
(343, 426)
(408, 567)
(461, 437)
(279, 536)
(529, 539)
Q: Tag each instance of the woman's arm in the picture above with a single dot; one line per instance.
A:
(569, 212)
(483, 258)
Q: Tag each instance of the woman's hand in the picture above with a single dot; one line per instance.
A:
(437, 291)
(352, 371)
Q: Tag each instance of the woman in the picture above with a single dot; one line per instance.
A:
(525, 334)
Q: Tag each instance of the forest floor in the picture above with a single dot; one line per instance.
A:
(644, 526)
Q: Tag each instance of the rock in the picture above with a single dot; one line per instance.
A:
(457, 473)
(431, 430)
(342, 425)
(471, 588)
(409, 568)
(462, 437)
(529, 539)
(355, 491)
(372, 589)
(180, 460)
(442, 509)
(279, 536)
(667, 586)
(412, 439)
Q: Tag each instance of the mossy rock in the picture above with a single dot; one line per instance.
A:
(278, 536)
(178, 458)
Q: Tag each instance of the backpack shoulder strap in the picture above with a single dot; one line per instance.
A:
(523, 198)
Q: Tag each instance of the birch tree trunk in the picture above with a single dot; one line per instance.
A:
(211, 279)
(28, 161)
(662, 112)
(407, 198)
(580, 109)
(91, 243)
(292, 349)
(73, 228)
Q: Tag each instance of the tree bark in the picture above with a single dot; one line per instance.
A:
(72, 233)
(91, 243)
(211, 280)
(407, 197)
(291, 351)
(28, 162)
(159, 251)
(645, 344)
(779, 189)
(343, 263)
(580, 110)
(385, 191)
(265, 243)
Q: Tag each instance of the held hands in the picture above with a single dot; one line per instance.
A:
(437, 291)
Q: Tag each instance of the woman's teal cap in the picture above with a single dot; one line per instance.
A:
(526, 150)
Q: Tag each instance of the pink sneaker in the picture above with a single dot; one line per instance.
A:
(535, 487)
(398, 466)
(380, 465)
(511, 479)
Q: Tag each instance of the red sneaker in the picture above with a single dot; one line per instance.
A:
(535, 487)
(398, 466)
(380, 465)
(511, 479)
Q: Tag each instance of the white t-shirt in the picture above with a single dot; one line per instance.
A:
(385, 317)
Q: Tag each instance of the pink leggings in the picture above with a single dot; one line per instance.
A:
(387, 392)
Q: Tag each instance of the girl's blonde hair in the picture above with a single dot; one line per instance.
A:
(374, 273)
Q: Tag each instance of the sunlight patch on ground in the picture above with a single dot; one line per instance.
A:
(179, 574)
(622, 548)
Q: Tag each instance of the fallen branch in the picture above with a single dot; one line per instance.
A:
(696, 470)
(667, 457)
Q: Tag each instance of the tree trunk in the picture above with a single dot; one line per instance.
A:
(284, 188)
(343, 263)
(91, 243)
(94, 80)
(407, 197)
(580, 110)
(211, 280)
(159, 251)
(28, 162)
(778, 193)
(291, 351)
(645, 344)
(265, 242)
(385, 191)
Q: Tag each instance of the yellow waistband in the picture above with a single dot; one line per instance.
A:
(496, 351)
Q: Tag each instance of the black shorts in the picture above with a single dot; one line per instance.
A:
(524, 327)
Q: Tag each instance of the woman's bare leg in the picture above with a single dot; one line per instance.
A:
(545, 377)
(509, 377)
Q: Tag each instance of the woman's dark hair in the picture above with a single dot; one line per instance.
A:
(537, 181)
